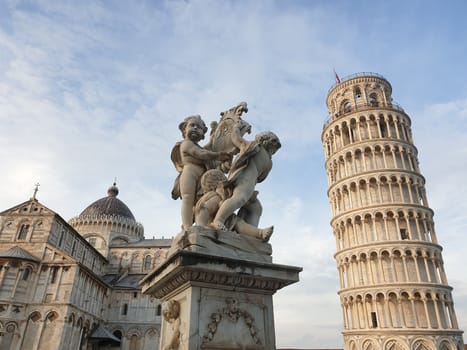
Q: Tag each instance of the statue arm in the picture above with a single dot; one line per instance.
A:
(238, 130)
(264, 163)
(195, 151)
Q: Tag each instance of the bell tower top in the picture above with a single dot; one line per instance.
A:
(358, 91)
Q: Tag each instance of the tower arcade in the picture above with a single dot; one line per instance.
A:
(393, 289)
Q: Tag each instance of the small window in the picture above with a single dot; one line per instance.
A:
(53, 274)
(374, 320)
(35, 317)
(384, 131)
(125, 309)
(52, 316)
(26, 273)
(159, 310)
(147, 262)
(118, 334)
(23, 231)
(60, 240)
(92, 241)
(358, 93)
(135, 294)
(404, 234)
(347, 107)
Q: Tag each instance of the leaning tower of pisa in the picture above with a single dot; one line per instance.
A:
(393, 288)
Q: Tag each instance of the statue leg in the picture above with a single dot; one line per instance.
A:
(187, 210)
(252, 210)
(205, 212)
(188, 185)
(245, 228)
(239, 197)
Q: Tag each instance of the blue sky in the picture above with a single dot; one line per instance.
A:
(93, 90)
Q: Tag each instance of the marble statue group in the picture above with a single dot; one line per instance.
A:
(216, 182)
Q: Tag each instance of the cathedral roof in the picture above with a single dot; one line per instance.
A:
(109, 205)
(125, 282)
(18, 253)
(102, 333)
(148, 243)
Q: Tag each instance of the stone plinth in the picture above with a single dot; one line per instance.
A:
(214, 300)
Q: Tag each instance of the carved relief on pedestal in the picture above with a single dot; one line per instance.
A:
(232, 313)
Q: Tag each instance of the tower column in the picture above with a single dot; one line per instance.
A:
(435, 305)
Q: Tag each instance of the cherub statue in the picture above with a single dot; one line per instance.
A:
(250, 167)
(216, 189)
(191, 161)
(171, 314)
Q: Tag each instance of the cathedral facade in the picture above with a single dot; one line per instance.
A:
(75, 285)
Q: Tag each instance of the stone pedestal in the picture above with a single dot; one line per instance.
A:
(218, 298)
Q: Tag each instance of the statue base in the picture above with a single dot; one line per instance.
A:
(223, 296)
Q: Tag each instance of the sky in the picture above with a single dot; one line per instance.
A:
(94, 90)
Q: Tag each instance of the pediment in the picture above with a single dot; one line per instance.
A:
(30, 207)
(18, 253)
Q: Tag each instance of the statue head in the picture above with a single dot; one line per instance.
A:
(171, 310)
(211, 179)
(193, 127)
(269, 141)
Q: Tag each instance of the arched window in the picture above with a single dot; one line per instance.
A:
(52, 316)
(147, 262)
(35, 316)
(92, 241)
(347, 107)
(26, 273)
(133, 342)
(358, 93)
(159, 310)
(118, 334)
(23, 231)
(373, 100)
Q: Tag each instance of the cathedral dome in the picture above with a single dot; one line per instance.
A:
(106, 221)
(108, 206)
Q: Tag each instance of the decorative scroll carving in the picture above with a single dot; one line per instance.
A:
(216, 277)
(233, 313)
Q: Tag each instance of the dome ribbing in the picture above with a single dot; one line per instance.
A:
(109, 205)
